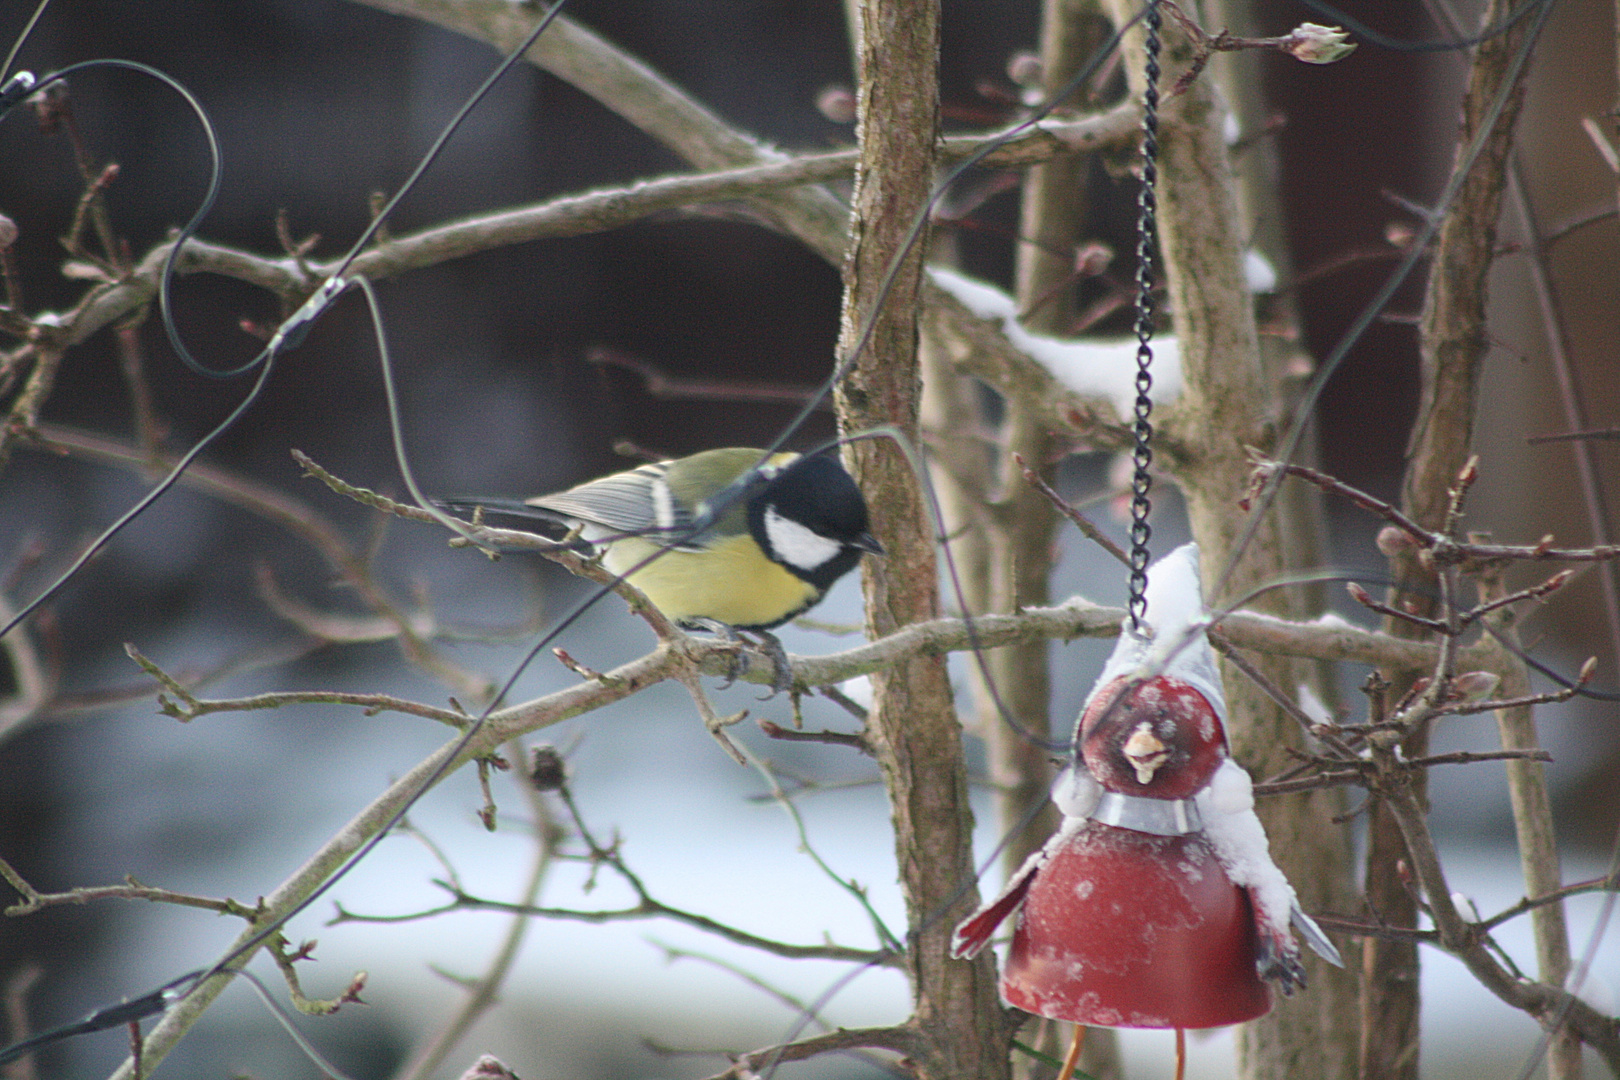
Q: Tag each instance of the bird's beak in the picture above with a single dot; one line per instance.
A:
(868, 543)
(1145, 753)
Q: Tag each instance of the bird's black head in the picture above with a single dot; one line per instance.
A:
(813, 520)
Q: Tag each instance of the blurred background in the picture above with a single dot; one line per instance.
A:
(514, 381)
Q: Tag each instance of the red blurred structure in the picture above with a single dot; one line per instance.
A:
(1156, 905)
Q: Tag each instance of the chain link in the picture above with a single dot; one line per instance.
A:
(1142, 429)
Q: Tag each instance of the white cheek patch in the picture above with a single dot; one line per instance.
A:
(795, 544)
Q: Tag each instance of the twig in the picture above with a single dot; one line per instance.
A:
(1466, 940)
(671, 387)
(687, 670)
(1308, 724)
(1534, 592)
(296, 517)
(1365, 599)
(1318, 782)
(1564, 693)
(1438, 546)
(837, 696)
(672, 953)
(1465, 757)
(483, 991)
(647, 907)
(853, 740)
(1345, 924)
(34, 900)
(185, 707)
(32, 688)
(892, 945)
(1567, 436)
(286, 961)
(1557, 896)
(1081, 522)
(1309, 42)
(902, 1040)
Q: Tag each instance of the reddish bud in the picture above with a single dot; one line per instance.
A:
(1024, 68)
(1475, 685)
(837, 103)
(351, 994)
(1393, 541)
(1092, 259)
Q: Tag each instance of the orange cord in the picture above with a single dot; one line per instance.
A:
(1073, 1059)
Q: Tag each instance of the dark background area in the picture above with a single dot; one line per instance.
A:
(318, 103)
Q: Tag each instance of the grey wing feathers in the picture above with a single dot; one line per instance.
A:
(627, 502)
(1318, 941)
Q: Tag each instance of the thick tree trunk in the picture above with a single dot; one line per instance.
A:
(913, 726)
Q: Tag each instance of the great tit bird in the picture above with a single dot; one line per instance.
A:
(791, 528)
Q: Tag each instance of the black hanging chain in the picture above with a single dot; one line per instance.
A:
(1146, 227)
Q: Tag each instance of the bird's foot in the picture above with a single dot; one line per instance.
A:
(782, 675)
(766, 644)
(1277, 959)
(735, 641)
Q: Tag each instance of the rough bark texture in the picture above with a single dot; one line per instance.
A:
(913, 726)
(1452, 342)
(1229, 405)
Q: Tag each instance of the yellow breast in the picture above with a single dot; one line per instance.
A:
(730, 582)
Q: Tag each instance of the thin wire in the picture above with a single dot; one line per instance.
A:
(216, 169)
(293, 331)
(16, 47)
(1418, 249)
(1146, 227)
(746, 484)
(330, 1071)
(288, 336)
(1362, 30)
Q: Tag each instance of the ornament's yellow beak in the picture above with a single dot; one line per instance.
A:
(1145, 752)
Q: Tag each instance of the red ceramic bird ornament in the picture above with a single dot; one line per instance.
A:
(1156, 904)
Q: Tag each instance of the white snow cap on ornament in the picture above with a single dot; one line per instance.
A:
(1175, 643)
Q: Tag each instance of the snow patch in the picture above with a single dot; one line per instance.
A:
(1104, 369)
(1258, 272)
(1177, 645)
(1311, 705)
(1076, 791)
(1239, 840)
